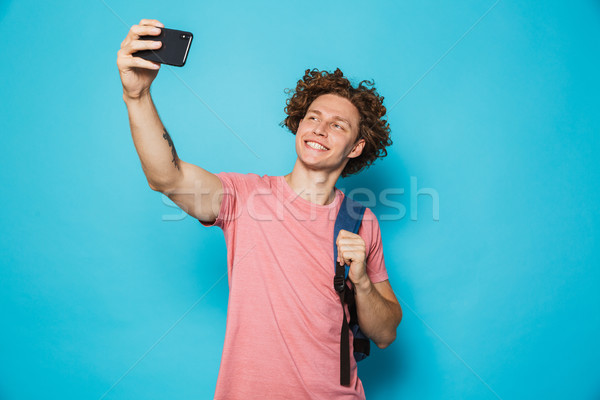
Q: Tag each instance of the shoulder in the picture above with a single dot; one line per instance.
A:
(370, 216)
(369, 229)
(237, 181)
(369, 219)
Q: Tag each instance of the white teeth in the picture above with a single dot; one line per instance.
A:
(316, 146)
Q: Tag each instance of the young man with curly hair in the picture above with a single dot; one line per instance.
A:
(282, 338)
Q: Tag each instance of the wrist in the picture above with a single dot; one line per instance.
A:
(128, 98)
(363, 285)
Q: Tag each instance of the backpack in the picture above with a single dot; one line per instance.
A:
(349, 218)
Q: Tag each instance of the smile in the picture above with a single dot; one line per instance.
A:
(315, 145)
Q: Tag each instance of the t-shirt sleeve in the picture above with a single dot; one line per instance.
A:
(371, 233)
(233, 187)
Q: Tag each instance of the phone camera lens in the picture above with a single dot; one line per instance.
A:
(183, 36)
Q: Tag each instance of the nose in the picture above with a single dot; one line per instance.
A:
(321, 129)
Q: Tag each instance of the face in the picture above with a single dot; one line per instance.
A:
(327, 135)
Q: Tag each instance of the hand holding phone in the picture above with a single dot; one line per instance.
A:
(174, 49)
(137, 73)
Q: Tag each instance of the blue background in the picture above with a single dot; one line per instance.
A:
(109, 291)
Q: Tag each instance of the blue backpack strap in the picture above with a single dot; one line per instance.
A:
(349, 218)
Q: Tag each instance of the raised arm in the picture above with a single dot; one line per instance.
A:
(195, 190)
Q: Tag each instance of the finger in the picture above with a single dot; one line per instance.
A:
(127, 60)
(353, 249)
(151, 22)
(341, 235)
(347, 235)
(139, 62)
(137, 45)
(344, 258)
(350, 244)
(351, 237)
(349, 255)
(140, 30)
(136, 31)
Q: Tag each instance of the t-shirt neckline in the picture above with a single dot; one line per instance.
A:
(295, 198)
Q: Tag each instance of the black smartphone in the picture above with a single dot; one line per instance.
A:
(174, 50)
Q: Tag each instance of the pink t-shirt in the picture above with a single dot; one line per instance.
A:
(282, 339)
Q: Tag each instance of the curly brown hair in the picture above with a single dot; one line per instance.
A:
(373, 128)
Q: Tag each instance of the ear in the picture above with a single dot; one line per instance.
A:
(357, 149)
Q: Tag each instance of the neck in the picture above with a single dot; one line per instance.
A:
(314, 186)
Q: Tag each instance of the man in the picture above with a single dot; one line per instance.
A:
(284, 316)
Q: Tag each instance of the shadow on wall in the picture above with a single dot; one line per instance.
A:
(384, 369)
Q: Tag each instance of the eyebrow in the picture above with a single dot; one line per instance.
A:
(336, 117)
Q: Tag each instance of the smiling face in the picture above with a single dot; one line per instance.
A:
(327, 135)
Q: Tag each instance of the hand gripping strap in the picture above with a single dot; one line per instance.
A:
(349, 218)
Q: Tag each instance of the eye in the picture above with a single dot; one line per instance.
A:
(338, 126)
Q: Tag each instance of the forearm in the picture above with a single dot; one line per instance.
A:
(152, 142)
(378, 317)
